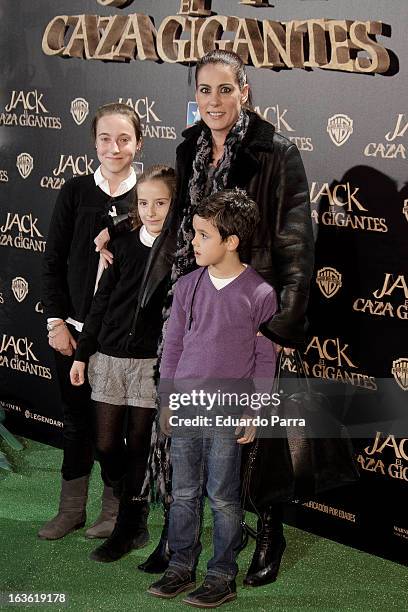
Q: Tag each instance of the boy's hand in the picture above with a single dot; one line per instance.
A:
(249, 431)
(77, 373)
(165, 414)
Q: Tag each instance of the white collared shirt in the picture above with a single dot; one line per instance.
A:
(146, 238)
(100, 181)
(126, 185)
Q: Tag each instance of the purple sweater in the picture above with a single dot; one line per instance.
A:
(222, 341)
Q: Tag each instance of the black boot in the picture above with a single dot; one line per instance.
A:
(130, 532)
(158, 561)
(270, 545)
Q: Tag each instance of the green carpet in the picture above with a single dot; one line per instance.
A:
(316, 574)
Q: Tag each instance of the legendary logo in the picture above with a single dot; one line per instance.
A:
(144, 108)
(27, 109)
(340, 128)
(19, 287)
(193, 114)
(277, 116)
(25, 164)
(384, 302)
(79, 110)
(329, 281)
(400, 371)
(392, 149)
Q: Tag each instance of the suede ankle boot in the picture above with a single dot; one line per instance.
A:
(105, 523)
(158, 561)
(72, 510)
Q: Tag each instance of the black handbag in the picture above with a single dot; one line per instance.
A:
(298, 462)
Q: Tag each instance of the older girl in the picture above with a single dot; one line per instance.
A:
(84, 207)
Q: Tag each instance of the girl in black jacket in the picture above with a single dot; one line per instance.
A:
(71, 267)
(119, 341)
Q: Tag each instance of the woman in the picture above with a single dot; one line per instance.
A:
(231, 146)
(71, 271)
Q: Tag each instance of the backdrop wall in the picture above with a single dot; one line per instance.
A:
(332, 77)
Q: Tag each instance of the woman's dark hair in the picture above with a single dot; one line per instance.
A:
(231, 59)
(231, 211)
(158, 172)
(117, 108)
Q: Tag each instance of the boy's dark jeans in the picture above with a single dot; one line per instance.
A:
(209, 465)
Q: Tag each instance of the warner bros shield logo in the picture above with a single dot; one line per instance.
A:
(329, 281)
(340, 128)
(79, 110)
(25, 164)
(19, 287)
(400, 372)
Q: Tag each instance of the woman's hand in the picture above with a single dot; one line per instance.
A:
(77, 373)
(164, 419)
(61, 340)
(101, 242)
(286, 349)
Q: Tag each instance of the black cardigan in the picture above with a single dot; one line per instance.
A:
(115, 325)
(70, 262)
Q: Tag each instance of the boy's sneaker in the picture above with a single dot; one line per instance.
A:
(172, 583)
(212, 593)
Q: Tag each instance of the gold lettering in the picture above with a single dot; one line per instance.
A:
(53, 37)
(379, 59)
(209, 36)
(137, 39)
(112, 30)
(340, 46)
(85, 37)
(195, 7)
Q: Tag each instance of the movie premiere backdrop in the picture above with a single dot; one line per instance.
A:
(331, 75)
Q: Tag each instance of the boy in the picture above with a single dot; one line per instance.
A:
(213, 334)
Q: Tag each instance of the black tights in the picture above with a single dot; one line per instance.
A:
(121, 461)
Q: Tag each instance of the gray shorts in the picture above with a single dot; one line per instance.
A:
(122, 381)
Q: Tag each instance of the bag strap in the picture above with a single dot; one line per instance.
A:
(301, 375)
